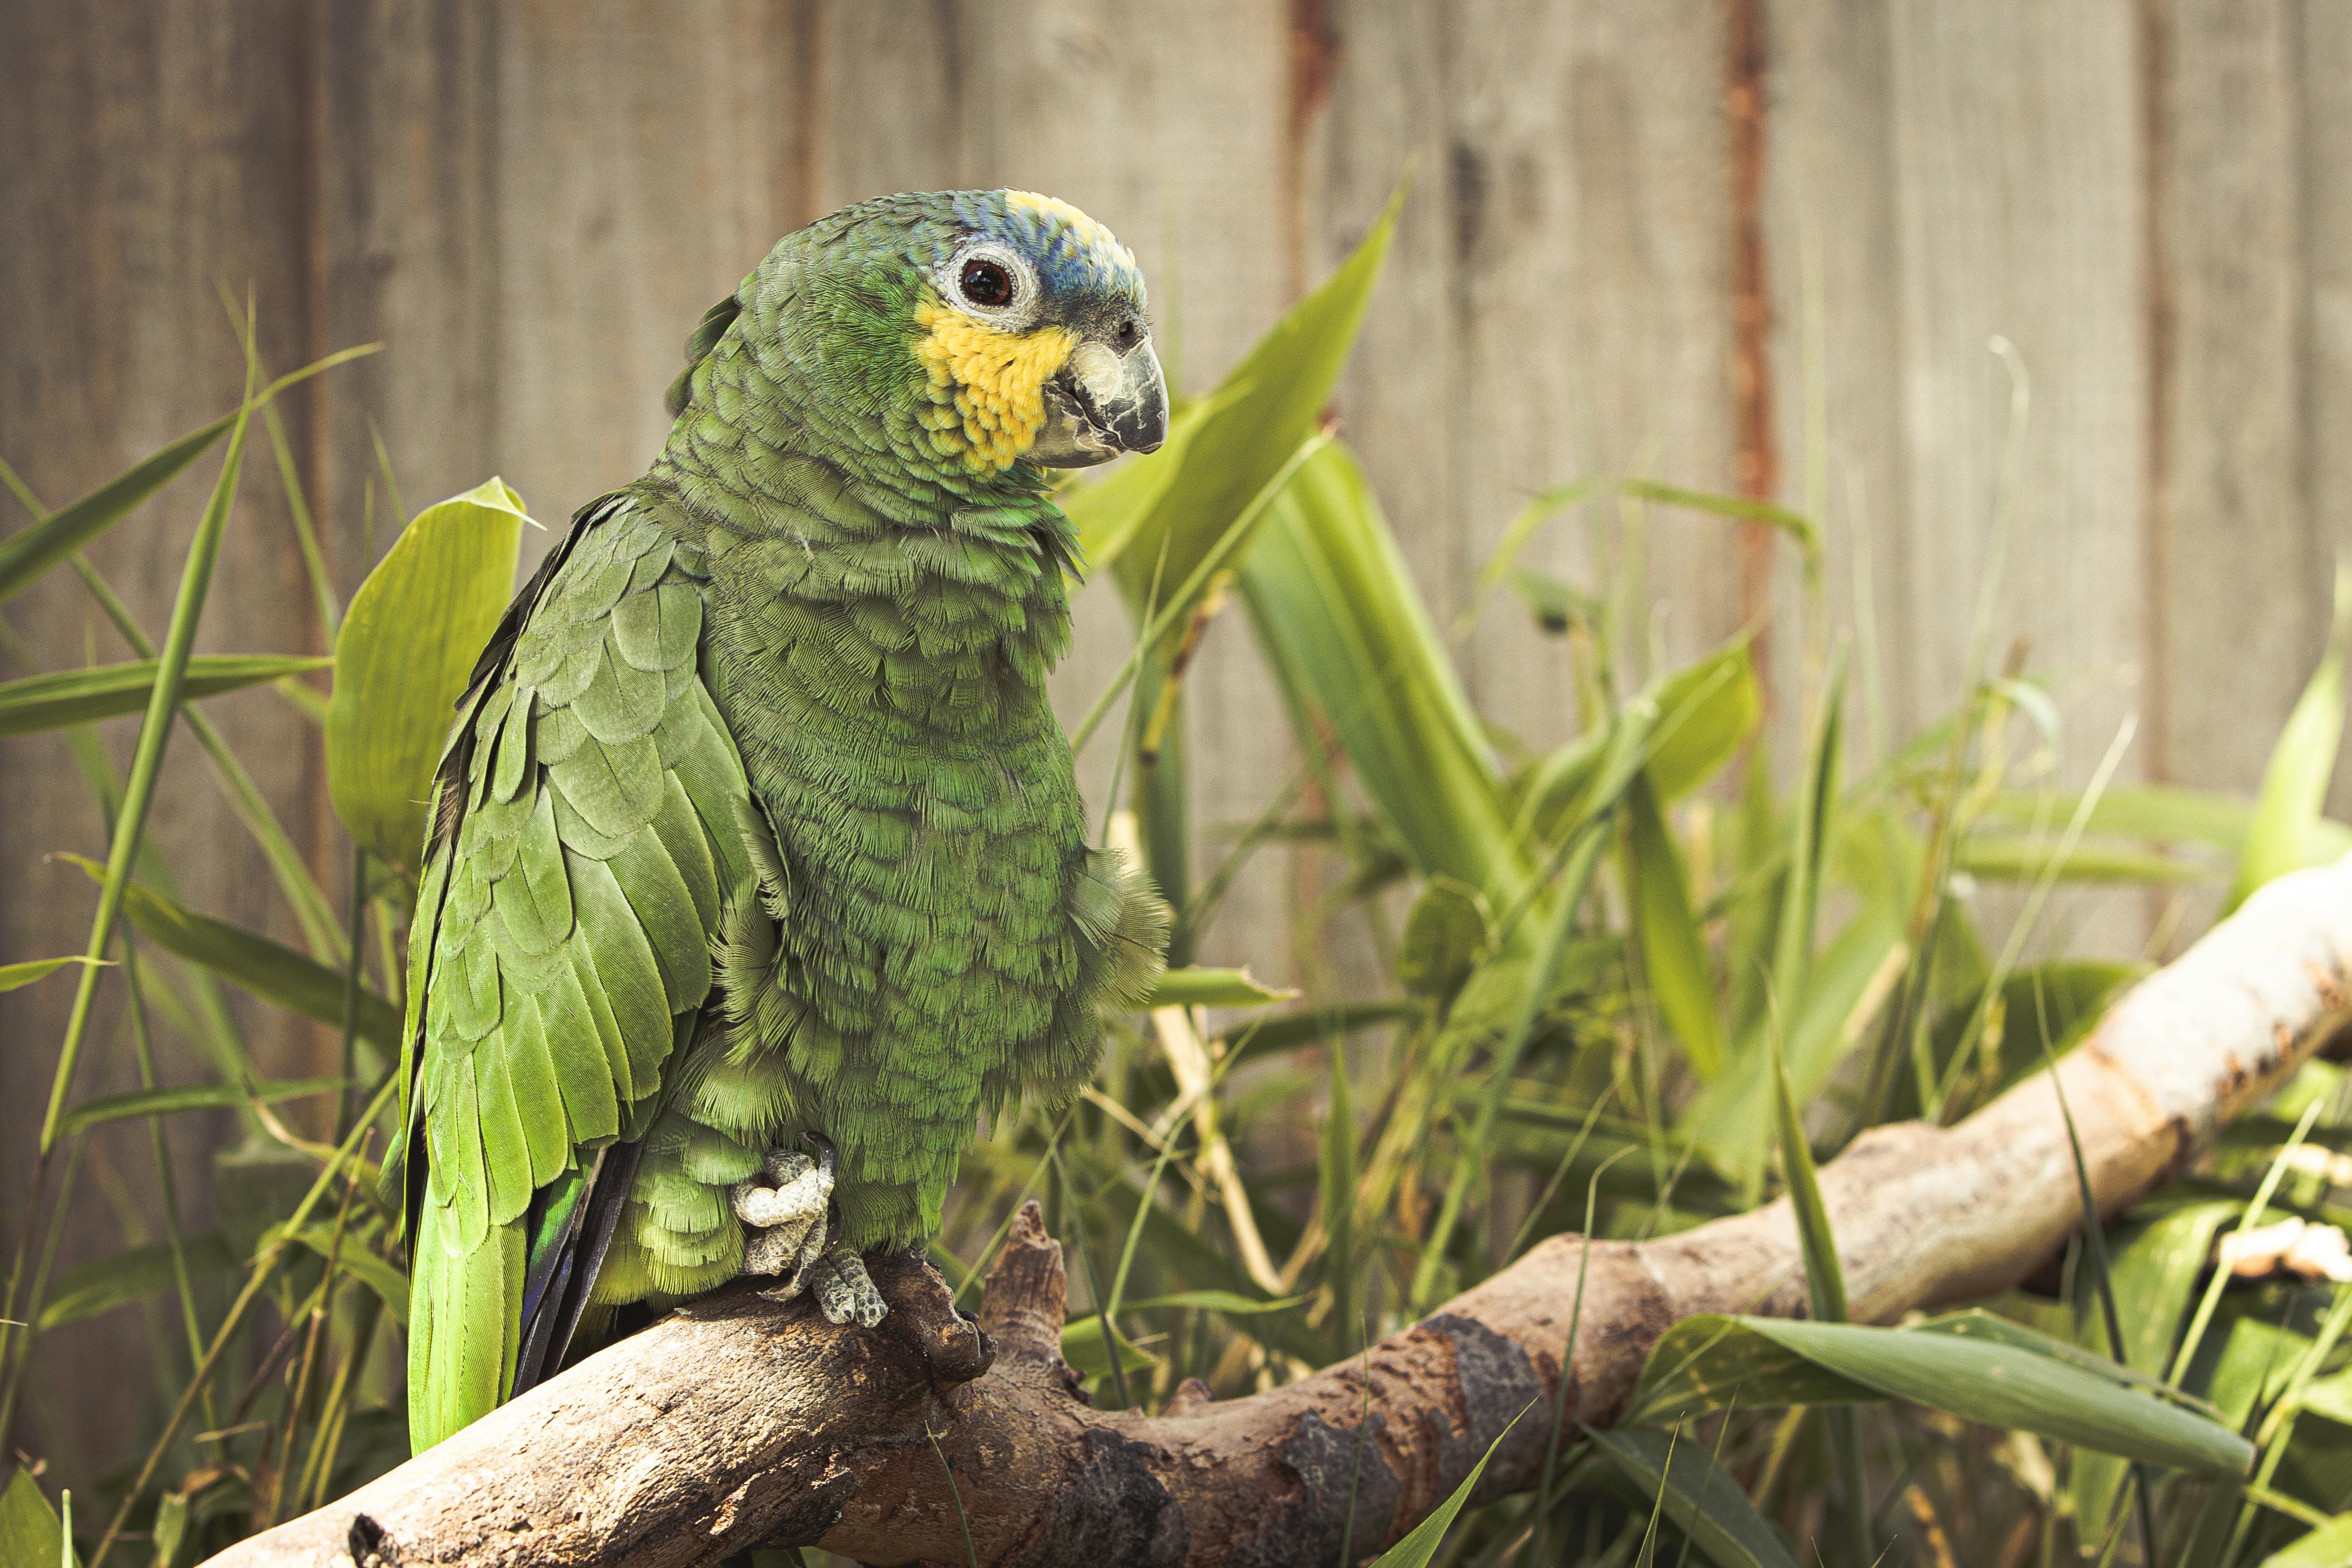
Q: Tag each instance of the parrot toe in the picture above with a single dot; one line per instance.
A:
(844, 1291)
(784, 1210)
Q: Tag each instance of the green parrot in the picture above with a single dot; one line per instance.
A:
(757, 873)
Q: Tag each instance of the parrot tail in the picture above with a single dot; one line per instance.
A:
(464, 1308)
(572, 1221)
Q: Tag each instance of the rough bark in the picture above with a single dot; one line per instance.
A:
(738, 1421)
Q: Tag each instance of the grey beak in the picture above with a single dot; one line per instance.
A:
(1103, 402)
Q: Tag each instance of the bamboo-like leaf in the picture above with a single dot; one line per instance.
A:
(390, 1284)
(1225, 1301)
(31, 1534)
(1420, 1543)
(1264, 409)
(190, 1097)
(2329, 1546)
(16, 977)
(2302, 762)
(277, 973)
(2167, 813)
(26, 555)
(80, 696)
(1666, 932)
(1699, 1495)
(407, 644)
(132, 1275)
(2017, 859)
(1346, 632)
(1705, 1363)
(1706, 710)
(1082, 1348)
(1800, 528)
(1193, 987)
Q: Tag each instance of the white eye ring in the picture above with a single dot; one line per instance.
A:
(1014, 267)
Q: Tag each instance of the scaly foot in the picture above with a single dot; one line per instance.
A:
(844, 1291)
(785, 1210)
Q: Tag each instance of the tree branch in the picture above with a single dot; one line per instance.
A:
(736, 1420)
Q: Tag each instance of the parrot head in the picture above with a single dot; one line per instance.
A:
(985, 334)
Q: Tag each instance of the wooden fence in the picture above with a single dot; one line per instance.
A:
(1757, 244)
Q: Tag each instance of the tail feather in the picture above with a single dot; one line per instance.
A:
(464, 1312)
(569, 1253)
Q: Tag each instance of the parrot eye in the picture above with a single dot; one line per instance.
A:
(986, 283)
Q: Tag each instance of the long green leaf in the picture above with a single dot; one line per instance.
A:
(1344, 627)
(2002, 1385)
(407, 644)
(146, 764)
(2329, 1546)
(1421, 1544)
(186, 1096)
(31, 1534)
(132, 1275)
(2295, 786)
(1674, 954)
(26, 555)
(270, 970)
(16, 977)
(1699, 1495)
(1213, 988)
(79, 696)
(1264, 409)
(1707, 1363)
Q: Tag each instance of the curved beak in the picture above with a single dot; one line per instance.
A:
(1102, 404)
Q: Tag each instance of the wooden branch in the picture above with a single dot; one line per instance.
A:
(736, 1420)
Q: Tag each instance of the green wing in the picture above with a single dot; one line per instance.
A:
(586, 818)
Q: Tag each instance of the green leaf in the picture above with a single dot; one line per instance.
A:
(1263, 410)
(1795, 524)
(1420, 1546)
(1229, 1302)
(2329, 1546)
(30, 551)
(189, 1096)
(1347, 633)
(1703, 1363)
(16, 977)
(389, 1283)
(1288, 1031)
(1706, 710)
(2302, 762)
(132, 1275)
(1667, 933)
(1213, 988)
(1446, 934)
(2018, 859)
(270, 970)
(411, 637)
(31, 1535)
(2004, 1383)
(2168, 814)
(79, 696)
(1701, 1496)
(1082, 1347)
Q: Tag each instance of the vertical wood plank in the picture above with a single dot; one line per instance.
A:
(2020, 211)
(1589, 192)
(2321, 47)
(643, 166)
(2241, 569)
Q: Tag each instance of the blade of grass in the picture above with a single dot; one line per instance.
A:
(312, 911)
(139, 793)
(2294, 785)
(2251, 1219)
(27, 553)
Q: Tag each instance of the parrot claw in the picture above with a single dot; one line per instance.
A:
(784, 1209)
(844, 1291)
